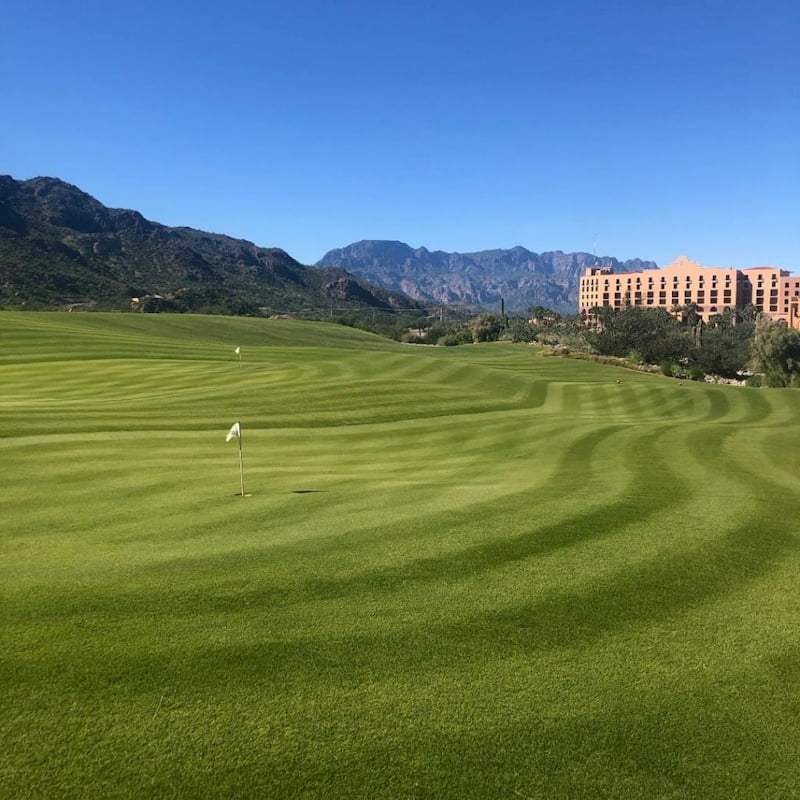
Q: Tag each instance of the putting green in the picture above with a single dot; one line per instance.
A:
(473, 572)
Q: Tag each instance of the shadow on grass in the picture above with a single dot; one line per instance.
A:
(573, 474)
(719, 406)
(696, 742)
(245, 585)
(644, 499)
(573, 620)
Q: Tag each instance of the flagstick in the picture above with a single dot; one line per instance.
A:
(241, 461)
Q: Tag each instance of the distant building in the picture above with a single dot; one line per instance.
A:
(711, 290)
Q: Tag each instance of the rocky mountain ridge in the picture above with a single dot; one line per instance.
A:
(60, 246)
(517, 276)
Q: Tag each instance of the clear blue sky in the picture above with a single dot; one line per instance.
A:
(652, 128)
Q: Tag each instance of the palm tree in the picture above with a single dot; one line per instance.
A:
(691, 314)
(747, 313)
(690, 317)
(602, 315)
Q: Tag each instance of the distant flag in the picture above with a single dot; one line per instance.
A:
(236, 433)
(238, 352)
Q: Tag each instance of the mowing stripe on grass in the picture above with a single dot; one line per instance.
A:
(463, 572)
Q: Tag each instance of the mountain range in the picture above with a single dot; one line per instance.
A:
(61, 247)
(518, 277)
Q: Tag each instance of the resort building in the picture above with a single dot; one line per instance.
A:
(710, 290)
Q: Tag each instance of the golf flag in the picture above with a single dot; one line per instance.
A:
(238, 350)
(234, 433)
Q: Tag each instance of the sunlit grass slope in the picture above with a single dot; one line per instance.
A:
(471, 572)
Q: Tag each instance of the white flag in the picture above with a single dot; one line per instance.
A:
(234, 433)
(238, 350)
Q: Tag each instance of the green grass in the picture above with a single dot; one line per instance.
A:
(462, 573)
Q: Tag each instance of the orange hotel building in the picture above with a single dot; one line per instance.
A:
(773, 291)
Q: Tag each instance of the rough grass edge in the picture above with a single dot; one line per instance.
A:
(582, 355)
(626, 363)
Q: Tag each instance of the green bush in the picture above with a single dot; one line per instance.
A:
(518, 329)
(449, 340)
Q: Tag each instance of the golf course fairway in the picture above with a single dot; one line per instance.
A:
(460, 573)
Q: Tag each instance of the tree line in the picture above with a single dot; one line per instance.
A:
(739, 343)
